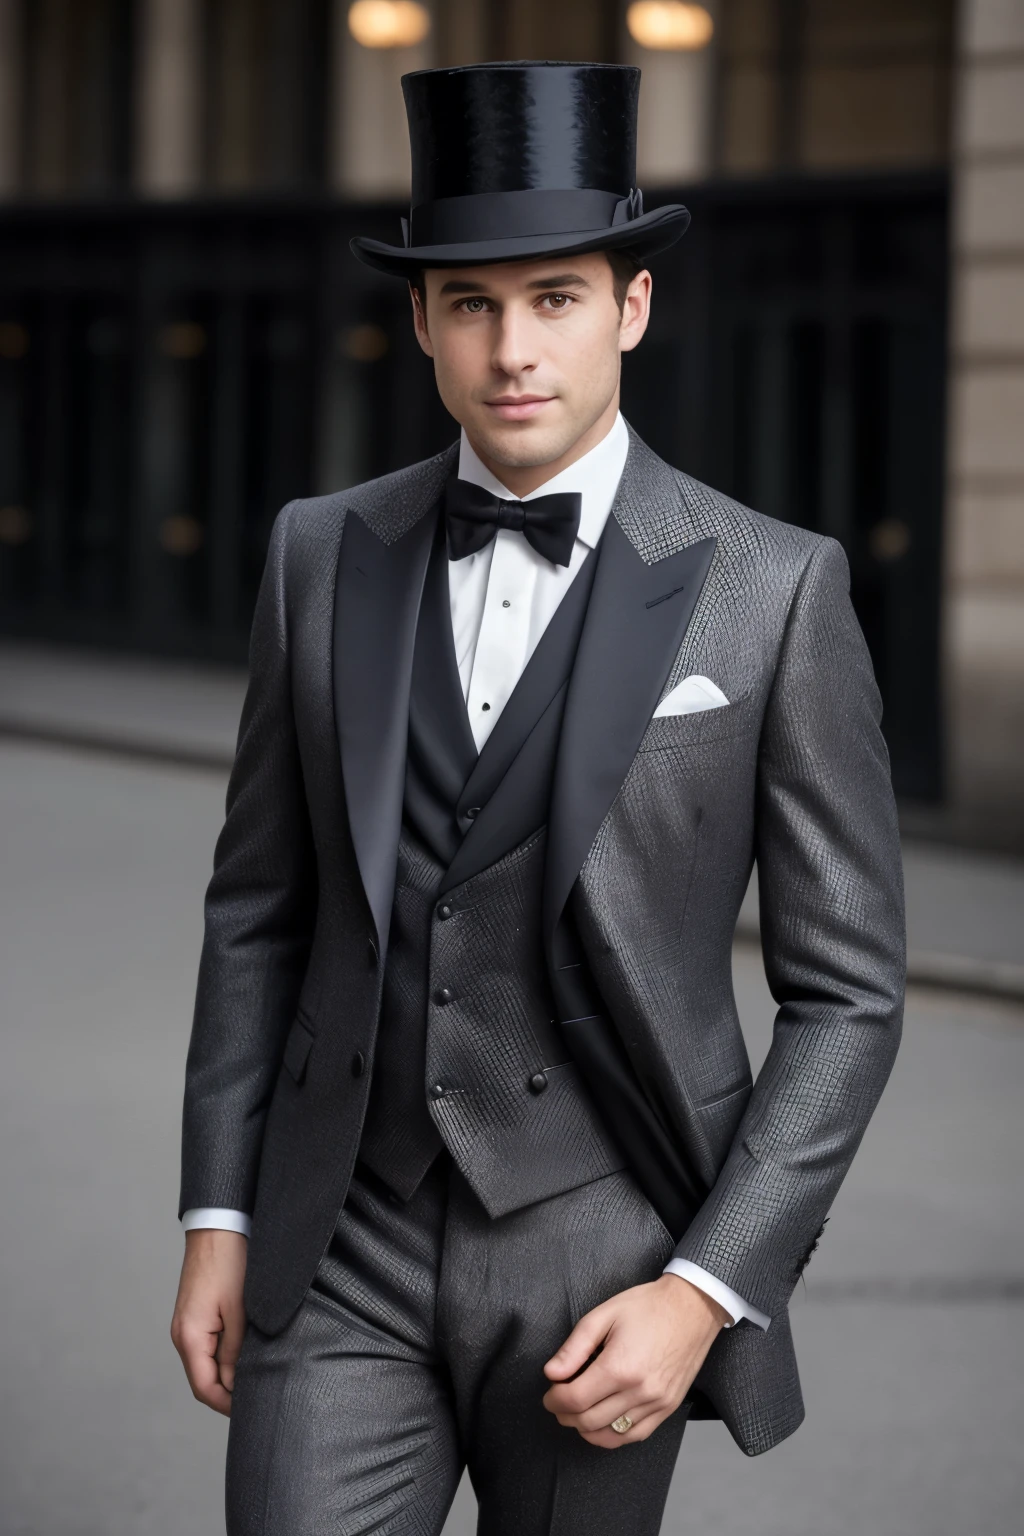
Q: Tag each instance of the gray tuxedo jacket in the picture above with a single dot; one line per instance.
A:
(654, 826)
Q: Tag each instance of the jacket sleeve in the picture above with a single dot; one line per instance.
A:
(830, 878)
(260, 910)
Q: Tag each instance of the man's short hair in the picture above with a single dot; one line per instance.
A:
(625, 265)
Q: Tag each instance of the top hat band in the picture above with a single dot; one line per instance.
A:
(535, 211)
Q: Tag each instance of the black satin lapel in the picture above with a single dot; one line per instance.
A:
(635, 624)
(438, 685)
(441, 751)
(377, 600)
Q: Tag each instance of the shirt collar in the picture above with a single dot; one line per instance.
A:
(595, 476)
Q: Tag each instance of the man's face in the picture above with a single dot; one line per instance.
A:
(527, 354)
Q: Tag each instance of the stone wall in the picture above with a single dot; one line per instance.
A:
(984, 608)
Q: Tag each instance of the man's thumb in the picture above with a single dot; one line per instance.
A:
(230, 1345)
(589, 1332)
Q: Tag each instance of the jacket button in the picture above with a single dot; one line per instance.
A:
(437, 1091)
(538, 1082)
(472, 810)
(371, 954)
(444, 910)
(443, 995)
(358, 1063)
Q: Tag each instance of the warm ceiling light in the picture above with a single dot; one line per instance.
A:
(388, 23)
(669, 24)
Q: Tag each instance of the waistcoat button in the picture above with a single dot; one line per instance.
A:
(443, 995)
(538, 1082)
(437, 1092)
(358, 1063)
(444, 910)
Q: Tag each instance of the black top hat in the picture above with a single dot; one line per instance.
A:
(524, 159)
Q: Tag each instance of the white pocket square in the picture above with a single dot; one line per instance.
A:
(692, 694)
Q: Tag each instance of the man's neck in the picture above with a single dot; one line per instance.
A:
(521, 479)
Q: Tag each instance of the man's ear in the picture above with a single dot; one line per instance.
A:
(636, 311)
(419, 320)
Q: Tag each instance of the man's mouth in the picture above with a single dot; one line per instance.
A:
(518, 407)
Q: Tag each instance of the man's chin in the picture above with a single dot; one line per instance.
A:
(524, 445)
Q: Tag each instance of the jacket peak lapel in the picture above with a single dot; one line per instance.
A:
(645, 591)
(382, 566)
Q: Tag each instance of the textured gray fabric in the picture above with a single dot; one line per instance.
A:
(419, 1348)
(481, 1047)
(515, 1146)
(794, 772)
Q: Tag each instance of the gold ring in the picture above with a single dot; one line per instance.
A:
(621, 1424)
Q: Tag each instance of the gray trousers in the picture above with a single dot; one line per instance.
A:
(418, 1350)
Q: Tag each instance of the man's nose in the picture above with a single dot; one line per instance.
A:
(513, 353)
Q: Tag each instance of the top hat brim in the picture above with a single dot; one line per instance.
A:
(646, 236)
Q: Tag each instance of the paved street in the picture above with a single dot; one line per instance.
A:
(909, 1330)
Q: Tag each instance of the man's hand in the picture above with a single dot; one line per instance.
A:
(209, 1321)
(654, 1339)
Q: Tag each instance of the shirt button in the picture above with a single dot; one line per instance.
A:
(444, 910)
(437, 1091)
(358, 1063)
(506, 603)
(538, 1082)
(443, 995)
(485, 706)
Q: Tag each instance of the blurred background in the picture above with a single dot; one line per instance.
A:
(186, 344)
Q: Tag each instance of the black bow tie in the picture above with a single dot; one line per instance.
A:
(473, 516)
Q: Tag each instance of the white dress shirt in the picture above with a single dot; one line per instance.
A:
(502, 600)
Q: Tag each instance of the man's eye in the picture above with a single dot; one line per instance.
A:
(473, 306)
(559, 300)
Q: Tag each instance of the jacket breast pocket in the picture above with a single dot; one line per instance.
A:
(667, 732)
(297, 1048)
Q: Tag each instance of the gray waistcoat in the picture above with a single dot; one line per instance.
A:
(468, 1055)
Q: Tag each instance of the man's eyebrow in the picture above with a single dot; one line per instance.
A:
(460, 285)
(559, 280)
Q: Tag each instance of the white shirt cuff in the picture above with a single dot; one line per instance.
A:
(214, 1216)
(736, 1307)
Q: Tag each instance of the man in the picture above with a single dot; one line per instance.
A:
(465, 1056)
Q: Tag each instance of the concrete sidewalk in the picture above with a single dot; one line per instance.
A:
(908, 1323)
(139, 706)
(965, 911)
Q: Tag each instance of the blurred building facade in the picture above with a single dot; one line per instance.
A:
(984, 583)
(185, 342)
